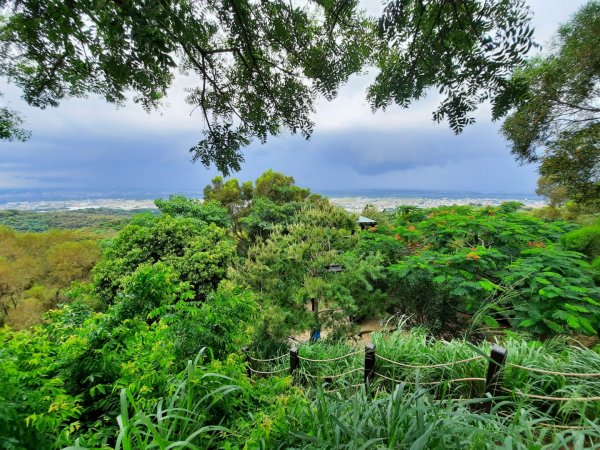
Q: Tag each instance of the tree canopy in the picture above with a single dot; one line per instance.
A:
(260, 65)
(556, 115)
(465, 49)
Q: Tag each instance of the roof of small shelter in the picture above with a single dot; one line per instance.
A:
(366, 220)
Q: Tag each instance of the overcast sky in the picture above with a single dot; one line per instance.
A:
(87, 144)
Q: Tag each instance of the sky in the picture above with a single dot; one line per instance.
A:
(89, 145)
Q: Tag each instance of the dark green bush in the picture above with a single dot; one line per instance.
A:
(585, 240)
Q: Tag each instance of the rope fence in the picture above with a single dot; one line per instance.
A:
(432, 383)
(429, 366)
(276, 358)
(563, 427)
(492, 391)
(551, 372)
(338, 358)
(555, 399)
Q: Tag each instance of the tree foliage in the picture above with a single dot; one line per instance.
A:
(289, 269)
(465, 49)
(574, 160)
(39, 268)
(10, 126)
(207, 212)
(498, 261)
(279, 188)
(260, 65)
(556, 114)
(159, 363)
(199, 253)
(551, 188)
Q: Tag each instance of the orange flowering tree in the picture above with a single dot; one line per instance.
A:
(450, 262)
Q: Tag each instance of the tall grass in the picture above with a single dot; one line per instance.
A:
(417, 348)
(179, 421)
(344, 372)
(407, 419)
(218, 409)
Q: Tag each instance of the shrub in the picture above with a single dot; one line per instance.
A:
(585, 240)
(552, 292)
(596, 269)
(199, 253)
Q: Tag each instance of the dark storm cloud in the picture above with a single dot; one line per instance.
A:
(133, 160)
(371, 152)
(158, 160)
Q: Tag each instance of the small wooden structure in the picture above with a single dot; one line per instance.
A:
(365, 222)
(335, 268)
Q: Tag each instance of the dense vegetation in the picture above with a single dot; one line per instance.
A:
(155, 324)
(99, 219)
(149, 351)
(36, 270)
(556, 119)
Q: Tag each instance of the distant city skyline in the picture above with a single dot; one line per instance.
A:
(88, 144)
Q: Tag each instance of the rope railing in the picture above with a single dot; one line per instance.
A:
(492, 391)
(338, 358)
(563, 427)
(276, 358)
(333, 376)
(556, 399)
(432, 383)
(271, 372)
(552, 372)
(428, 366)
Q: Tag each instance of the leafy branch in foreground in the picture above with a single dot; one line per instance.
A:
(260, 65)
(553, 104)
(10, 126)
(466, 49)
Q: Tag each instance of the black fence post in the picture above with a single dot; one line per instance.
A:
(492, 380)
(369, 365)
(246, 351)
(294, 361)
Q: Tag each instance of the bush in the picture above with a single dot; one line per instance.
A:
(585, 240)
(552, 292)
(199, 253)
(596, 270)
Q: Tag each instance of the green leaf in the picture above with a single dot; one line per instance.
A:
(587, 325)
(487, 285)
(527, 323)
(576, 308)
(550, 292)
(573, 322)
(542, 280)
(491, 322)
(554, 326)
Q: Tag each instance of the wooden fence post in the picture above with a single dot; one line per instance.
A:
(294, 361)
(369, 365)
(492, 380)
(246, 351)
